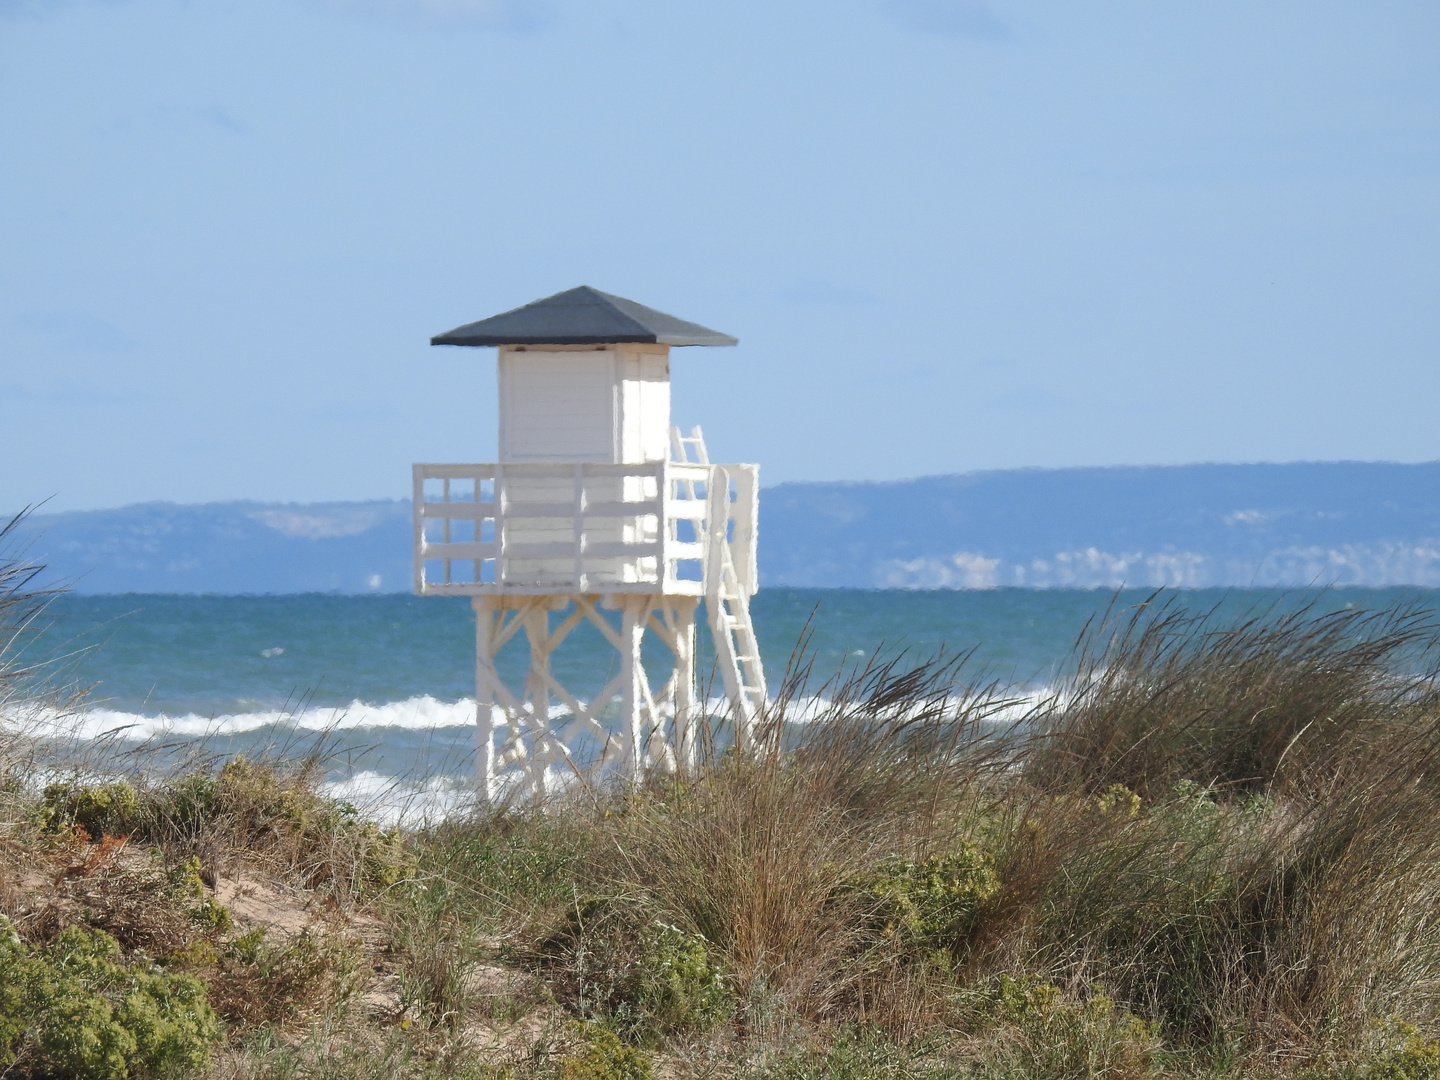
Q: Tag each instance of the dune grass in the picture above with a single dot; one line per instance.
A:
(1214, 850)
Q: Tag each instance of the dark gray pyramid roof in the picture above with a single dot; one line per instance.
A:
(582, 316)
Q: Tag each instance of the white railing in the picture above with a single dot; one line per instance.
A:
(536, 529)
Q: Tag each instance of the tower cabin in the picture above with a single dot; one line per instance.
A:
(596, 504)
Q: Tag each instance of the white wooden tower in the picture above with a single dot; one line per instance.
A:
(596, 505)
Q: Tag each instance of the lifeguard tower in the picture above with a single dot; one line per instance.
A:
(596, 504)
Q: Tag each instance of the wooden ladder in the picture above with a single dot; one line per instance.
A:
(727, 601)
(681, 445)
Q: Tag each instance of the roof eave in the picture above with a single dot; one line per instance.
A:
(487, 341)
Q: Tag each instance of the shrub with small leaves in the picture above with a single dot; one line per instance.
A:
(600, 1055)
(385, 859)
(100, 809)
(188, 802)
(1119, 803)
(1045, 1034)
(677, 984)
(931, 905)
(252, 794)
(1410, 1055)
(643, 977)
(253, 981)
(75, 1009)
(1020, 1000)
(186, 883)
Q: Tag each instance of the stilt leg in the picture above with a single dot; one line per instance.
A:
(632, 697)
(484, 699)
(537, 697)
(660, 731)
(685, 711)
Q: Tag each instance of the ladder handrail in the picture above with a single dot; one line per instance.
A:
(681, 444)
(736, 649)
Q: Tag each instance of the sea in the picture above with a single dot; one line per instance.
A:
(378, 690)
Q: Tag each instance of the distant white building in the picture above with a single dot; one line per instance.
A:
(597, 503)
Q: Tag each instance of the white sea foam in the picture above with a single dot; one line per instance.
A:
(392, 801)
(423, 713)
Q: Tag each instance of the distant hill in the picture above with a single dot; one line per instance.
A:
(1340, 523)
(238, 547)
(1346, 523)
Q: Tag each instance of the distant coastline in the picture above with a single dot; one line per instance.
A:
(1188, 526)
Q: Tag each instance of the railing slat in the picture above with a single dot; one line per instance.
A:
(622, 550)
(570, 530)
(460, 511)
(622, 509)
(459, 549)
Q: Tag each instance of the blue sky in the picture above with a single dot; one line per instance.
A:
(950, 234)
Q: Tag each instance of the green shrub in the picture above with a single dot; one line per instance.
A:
(188, 802)
(252, 796)
(1040, 1033)
(1119, 803)
(931, 906)
(676, 983)
(251, 807)
(100, 809)
(185, 883)
(1019, 1001)
(76, 1010)
(1411, 1056)
(385, 859)
(645, 977)
(253, 981)
(859, 1054)
(601, 1055)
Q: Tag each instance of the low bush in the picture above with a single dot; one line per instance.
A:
(148, 906)
(252, 981)
(249, 811)
(1034, 1031)
(615, 962)
(931, 906)
(75, 1009)
(598, 1054)
(111, 809)
(1405, 1054)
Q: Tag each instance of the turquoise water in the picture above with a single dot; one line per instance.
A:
(389, 679)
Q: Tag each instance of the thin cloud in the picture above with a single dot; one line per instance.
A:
(516, 16)
(951, 18)
(38, 9)
(821, 293)
(76, 331)
(217, 116)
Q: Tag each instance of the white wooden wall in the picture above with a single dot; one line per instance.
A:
(644, 372)
(557, 406)
(603, 404)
